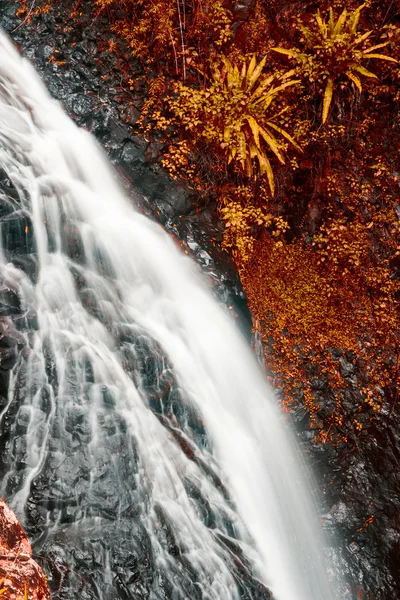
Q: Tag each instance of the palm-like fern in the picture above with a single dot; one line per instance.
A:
(249, 126)
(334, 48)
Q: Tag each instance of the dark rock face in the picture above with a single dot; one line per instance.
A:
(241, 10)
(360, 499)
(358, 481)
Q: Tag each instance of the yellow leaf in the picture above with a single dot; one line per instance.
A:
(254, 129)
(254, 151)
(260, 89)
(355, 80)
(232, 75)
(364, 71)
(266, 99)
(285, 134)
(291, 53)
(272, 143)
(288, 74)
(281, 112)
(216, 74)
(381, 57)
(242, 147)
(322, 26)
(356, 17)
(265, 167)
(340, 22)
(331, 20)
(279, 88)
(327, 99)
(232, 154)
(375, 47)
(256, 73)
(361, 38)
(251, 66)
(227, 133)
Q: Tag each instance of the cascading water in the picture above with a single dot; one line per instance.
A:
(138, 435)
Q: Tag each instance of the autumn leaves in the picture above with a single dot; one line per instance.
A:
(245, 106)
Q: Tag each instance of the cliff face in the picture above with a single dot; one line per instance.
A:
(359, 476)
(20, 576)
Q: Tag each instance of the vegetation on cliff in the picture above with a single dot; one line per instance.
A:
(286, 115)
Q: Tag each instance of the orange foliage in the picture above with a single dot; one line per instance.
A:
(329, 287)
(334, 294)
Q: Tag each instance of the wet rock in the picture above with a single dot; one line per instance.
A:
(133, 150)
(28, 264)
(336, 353)
(72, 243)
(318, 384)
(81, 105)
(346, 368)
(8, 358)
(10, 303)
(17, 234)
(243, 9)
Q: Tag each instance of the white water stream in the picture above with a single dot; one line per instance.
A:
(140, 281)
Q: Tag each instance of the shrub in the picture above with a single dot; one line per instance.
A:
(333, 50)
(240, 111)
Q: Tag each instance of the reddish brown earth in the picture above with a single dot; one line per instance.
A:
(20, 576)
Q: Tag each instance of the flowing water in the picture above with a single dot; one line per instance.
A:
(140, 443)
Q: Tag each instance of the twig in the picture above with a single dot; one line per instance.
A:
(175, 55)
(26, 18)
(181, 29)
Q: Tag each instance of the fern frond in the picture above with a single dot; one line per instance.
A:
(327, 99)
(361, 38)
(265, 167)
(322, 25)
(251, 80)
(364, 71)
(355, 80)
(255, 129)
(291, 53)
(285, 134)
(375, 47)
(382, 57)
(355, 18)
(272, 144)
(340, 23)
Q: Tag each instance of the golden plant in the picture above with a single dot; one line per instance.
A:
(250, 132)
(235, 112)
(241, 219)
(333, 49)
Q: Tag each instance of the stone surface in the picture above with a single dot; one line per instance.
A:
(357, 481)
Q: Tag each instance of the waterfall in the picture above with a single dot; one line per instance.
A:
(138, 434)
